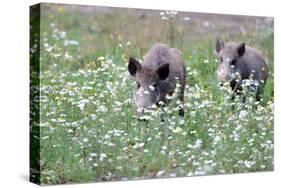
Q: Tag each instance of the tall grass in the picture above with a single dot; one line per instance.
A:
(88, 127)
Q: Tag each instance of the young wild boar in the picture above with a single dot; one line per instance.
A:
(156, 77)
(238, 62)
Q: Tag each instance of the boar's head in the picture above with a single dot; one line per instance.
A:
(151, 84)
(229, 58)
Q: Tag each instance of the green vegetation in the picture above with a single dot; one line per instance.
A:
(88, 127)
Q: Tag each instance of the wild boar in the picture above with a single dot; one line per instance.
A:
(157, 76)
(238, 63)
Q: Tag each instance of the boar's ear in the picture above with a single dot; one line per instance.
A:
(219, 44)
(163, 71)
(133, 66)
(241, 49)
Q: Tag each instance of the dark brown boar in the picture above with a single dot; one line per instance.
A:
(157, 76)
(238, 63)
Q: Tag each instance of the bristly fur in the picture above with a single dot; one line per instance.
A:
(169, 59)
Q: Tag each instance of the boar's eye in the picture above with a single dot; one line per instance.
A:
(138, 85)
(170, 93)
(221, 59)
(233, 62)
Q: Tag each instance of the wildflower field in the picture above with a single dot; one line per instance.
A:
(88, 125)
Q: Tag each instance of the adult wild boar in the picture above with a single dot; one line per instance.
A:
(238, 62)
(157, 76)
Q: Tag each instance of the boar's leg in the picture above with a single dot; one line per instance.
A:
(181, 112)
(259, 93)
(181, 97)
(181, 109)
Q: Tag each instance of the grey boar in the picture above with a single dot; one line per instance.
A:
(157, 76)
(238, 62)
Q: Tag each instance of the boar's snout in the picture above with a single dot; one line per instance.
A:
(223, 72)
(144, 100)
(140, 111)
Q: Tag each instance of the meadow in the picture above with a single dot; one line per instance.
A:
(88, 126)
